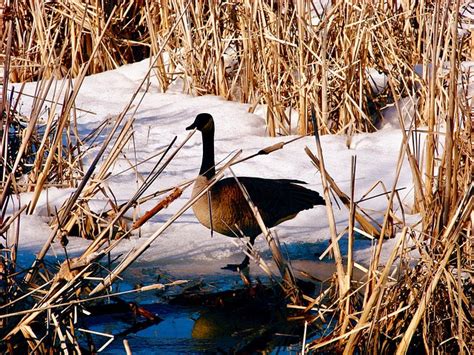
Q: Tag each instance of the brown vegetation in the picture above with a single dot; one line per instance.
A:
(293, 54)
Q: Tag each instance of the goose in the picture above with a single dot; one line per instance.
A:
(277, 200)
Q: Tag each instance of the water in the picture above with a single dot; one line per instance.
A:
(196, 329)
(173, 335)
(191, 330)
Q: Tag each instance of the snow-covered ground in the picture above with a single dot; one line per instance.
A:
(187, 245)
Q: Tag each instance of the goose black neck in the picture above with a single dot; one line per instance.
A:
(208, 165)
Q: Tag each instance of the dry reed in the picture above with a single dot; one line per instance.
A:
(257, 52)
(288, 56)
(427, 307)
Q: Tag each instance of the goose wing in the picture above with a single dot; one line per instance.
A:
(276, 199)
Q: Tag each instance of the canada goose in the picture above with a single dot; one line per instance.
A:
(277, 200)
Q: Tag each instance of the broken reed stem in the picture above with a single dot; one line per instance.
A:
(73, 198)
(289, 282)
(461, 342)
(377, 292)
(332, 222)
(55, 102)
(350, 236)
(431, 107)
(450, 119)
(365, 224)
(388, 211)
(147, 288)
(303, 112)
(10, 219)
(6, 70)
(128, 350)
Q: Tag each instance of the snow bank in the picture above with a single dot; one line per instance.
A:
(162, 116)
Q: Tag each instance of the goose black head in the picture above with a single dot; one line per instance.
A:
(203, 122)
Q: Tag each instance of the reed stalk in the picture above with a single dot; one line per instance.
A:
(286, 272)
(281, 55)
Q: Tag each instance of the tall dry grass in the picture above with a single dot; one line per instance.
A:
(290, 56)
(258, 52)
(422, 302)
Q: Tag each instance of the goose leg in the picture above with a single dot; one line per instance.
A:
(245, 263)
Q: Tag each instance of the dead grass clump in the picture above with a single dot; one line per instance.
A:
(421, 298)
(271, 53)
(63, 35)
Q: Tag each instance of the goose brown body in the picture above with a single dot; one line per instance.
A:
(277, 200)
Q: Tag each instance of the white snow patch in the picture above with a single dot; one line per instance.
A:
(162, 116)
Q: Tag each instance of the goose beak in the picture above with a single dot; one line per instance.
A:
(191, 127)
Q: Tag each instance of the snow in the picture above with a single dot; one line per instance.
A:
(187, 244)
